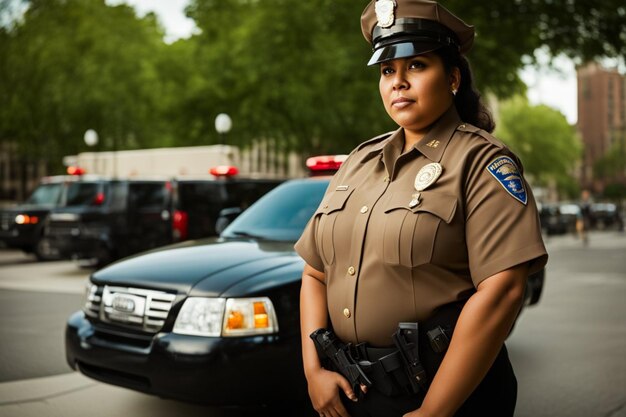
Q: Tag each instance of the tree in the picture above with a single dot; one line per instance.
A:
(76, 64)
(547, 145)
(296, 70)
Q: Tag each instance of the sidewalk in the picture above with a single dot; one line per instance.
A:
(74, 395)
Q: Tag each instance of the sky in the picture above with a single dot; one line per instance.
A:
(553, 85)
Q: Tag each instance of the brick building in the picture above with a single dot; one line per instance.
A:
(601, 119)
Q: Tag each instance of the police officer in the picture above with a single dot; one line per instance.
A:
(433, 217)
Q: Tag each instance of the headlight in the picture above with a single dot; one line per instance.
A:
(201, 316)
(249, 316)
(226, 317)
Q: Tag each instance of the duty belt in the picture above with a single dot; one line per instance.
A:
(392, 371)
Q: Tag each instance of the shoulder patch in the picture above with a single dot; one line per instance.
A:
(505, 170)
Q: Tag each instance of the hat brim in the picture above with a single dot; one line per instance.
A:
(402, 50)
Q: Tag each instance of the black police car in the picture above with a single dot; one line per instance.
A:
(103, 219)
(107, 219)
(213, 321)
(22, 226)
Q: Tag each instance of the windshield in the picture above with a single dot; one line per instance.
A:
(282, 213)
(46, 195)
(82, 193)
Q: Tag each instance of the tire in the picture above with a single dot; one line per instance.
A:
(43, 250)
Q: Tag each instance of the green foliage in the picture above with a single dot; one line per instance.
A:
(547, 145)
(78, 64)
(615, 191)
(287, 70)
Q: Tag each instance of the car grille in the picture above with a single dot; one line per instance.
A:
(136, 308)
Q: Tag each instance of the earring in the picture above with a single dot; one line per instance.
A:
(454, 91)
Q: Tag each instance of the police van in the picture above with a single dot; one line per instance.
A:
(104, 219)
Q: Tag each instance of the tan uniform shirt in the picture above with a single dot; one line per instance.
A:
(388, 259)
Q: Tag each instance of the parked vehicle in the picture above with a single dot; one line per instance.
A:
(559, 219)
(107, 219)
(104, 219)
(213, 321)
(605, 216)
(22, 226)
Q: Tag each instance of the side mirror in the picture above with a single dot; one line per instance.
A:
(226, 217)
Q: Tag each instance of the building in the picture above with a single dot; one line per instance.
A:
(601, 120)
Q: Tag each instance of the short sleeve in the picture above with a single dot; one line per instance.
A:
(306, 246)
(502, 222)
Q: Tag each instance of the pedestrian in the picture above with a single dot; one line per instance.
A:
(583, 219)
(417, 257)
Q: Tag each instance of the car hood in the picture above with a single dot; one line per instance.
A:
(202, 268)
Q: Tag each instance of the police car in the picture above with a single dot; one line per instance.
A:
(104, 219)
(213, 321)
(22, 226)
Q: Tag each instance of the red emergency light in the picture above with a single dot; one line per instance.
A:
(325, 162)
(224, 171)
(72, 170)
(98, 199)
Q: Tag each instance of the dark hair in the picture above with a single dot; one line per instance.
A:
(468, 103)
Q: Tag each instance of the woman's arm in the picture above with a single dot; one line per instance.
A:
(323, 385)
(482, 327)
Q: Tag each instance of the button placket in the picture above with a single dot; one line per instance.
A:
(358, 235)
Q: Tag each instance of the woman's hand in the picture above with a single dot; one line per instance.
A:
(324, 389)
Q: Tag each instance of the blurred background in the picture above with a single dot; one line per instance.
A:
(292, 77)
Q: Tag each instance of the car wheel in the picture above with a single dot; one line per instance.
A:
(43, 250)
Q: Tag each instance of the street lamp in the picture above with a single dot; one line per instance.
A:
(91, 139)
(223, 124)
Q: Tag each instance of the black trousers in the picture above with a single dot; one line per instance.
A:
(495, 396)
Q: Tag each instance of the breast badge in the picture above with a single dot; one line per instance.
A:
(424, 179)
(508, 175)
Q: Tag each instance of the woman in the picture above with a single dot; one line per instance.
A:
(431, 224)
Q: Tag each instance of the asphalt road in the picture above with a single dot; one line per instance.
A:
(569, 352)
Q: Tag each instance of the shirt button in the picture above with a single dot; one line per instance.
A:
(351, 270)
(364, 209)
(386, 179)
(346, 313)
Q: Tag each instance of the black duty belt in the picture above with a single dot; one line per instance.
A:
(407, 367)
(386, 369)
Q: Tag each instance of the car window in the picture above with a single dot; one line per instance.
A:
(46, 195)
(147, 195)
(282, 213)
(82, 193)
(244, 193)
(194, 194)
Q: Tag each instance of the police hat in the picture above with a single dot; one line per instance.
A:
(404, 28)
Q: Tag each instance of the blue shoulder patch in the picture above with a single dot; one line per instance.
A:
(508, 175)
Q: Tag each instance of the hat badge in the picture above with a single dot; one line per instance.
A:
(385, 10)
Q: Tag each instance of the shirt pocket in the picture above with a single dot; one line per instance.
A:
(409, 233)
(332, 206)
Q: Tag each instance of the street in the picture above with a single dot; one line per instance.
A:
(569, 352)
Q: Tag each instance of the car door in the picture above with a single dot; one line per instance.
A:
(148, 213)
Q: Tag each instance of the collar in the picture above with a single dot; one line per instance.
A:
(434, 143)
